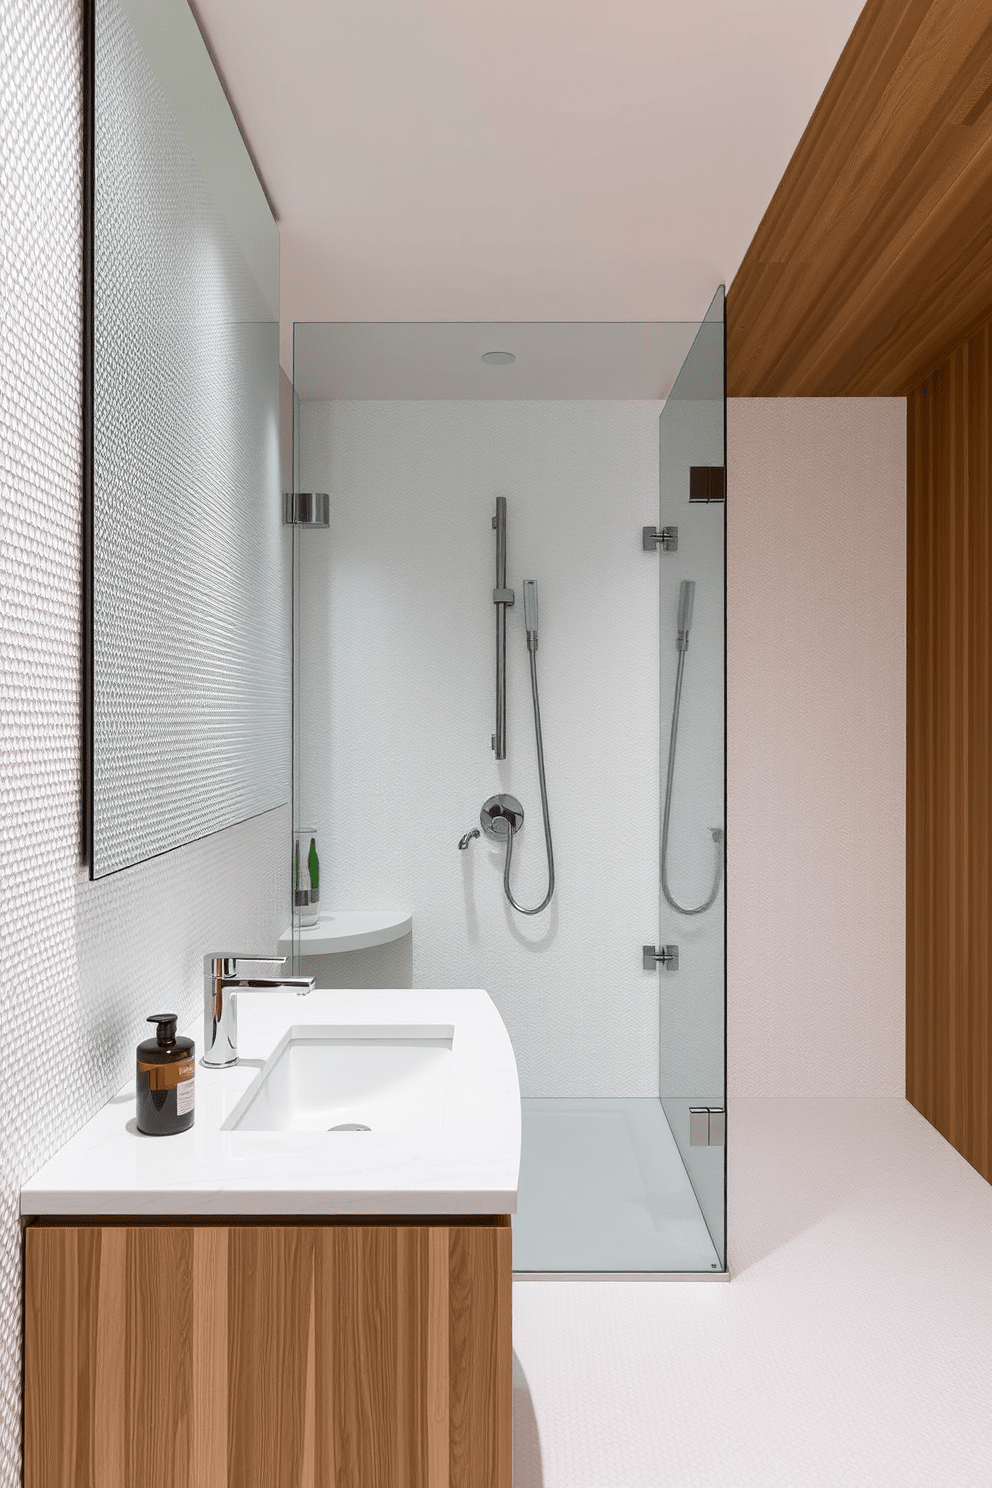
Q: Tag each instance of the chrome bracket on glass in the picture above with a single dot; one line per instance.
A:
(707, 1126)
(306, 509)
(667, 538)
(667, 958)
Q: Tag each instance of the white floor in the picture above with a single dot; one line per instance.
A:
(853, 1345)
(603, 1188)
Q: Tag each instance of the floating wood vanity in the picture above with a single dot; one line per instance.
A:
(308, 1306)
(233, 1354)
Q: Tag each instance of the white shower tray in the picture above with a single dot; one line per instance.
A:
(349, 930)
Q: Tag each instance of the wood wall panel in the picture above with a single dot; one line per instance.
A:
(875, 253)
(268, 1356)
(949, 749)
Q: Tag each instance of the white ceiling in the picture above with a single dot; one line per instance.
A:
(418, 359)
(520, 160)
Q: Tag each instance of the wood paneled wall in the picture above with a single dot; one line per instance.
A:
(949, 749)
(281, 1355)
(874, 257)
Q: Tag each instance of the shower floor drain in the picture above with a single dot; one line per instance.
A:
(350, 1126)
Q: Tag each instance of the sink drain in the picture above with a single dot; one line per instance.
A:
(350, 1126)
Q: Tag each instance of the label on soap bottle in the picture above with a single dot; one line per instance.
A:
(168, 1076)
(184, 1094)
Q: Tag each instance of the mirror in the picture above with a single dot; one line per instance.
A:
(188, 564)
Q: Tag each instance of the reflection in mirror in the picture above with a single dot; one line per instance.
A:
(189, 606)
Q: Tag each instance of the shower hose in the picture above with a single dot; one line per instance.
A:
(544, 807)
(716, 831)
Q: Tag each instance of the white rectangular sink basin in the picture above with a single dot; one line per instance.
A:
(345, 1079)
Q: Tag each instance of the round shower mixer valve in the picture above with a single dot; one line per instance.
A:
(499, 816)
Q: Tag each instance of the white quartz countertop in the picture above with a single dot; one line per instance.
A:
(467, 1163)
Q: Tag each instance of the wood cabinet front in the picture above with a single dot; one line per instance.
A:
(271, 1355)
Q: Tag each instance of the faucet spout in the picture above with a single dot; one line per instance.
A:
(302, 985)
(221, 981)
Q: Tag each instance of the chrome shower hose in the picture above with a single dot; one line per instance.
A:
(716, 831)
(544, 808)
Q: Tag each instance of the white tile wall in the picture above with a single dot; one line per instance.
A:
(81, 964)
(399, 675)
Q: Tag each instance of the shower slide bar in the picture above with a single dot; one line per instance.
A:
(502, 816)
(502, 597)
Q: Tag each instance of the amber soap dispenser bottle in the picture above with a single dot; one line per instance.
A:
(166, 1066)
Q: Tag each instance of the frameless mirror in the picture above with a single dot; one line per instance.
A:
(188, 581)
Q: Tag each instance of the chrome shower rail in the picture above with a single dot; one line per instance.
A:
(501, 598)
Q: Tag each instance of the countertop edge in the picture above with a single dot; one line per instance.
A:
(301, 1204)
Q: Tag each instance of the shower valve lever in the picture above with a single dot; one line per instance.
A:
(667, 958)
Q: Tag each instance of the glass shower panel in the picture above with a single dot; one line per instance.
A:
(289, 411)
(307, 852)
(692, 902)
(298, 763)
(421, 432)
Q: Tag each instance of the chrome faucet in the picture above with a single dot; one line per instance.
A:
(220, 1006)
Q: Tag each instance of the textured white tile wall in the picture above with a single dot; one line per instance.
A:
(399, 686)
(816, 670)
(80, 964)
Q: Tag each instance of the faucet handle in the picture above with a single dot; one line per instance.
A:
(225, 962)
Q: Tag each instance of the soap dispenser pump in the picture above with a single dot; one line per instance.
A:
(166, 1065)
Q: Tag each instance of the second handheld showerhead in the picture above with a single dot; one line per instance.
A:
(687, 595)
(530, 613)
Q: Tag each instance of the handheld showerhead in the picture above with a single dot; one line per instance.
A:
(687, 595)
(530, 613)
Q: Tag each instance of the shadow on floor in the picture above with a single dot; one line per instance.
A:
(527, 1469)
(837, 1152)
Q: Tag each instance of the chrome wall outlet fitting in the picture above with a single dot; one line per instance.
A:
(306, 509)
